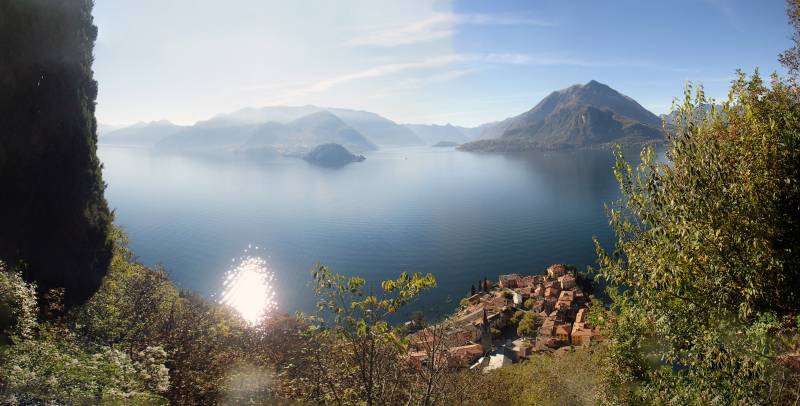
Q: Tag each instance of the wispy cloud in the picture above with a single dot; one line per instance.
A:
(433, 63)
(560, 60)
(438, 27)
(388, 69)
(369, 73)
(443, 68)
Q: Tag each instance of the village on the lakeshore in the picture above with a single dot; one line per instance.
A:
(506, 322)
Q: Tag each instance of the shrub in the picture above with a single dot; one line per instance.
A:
(56, 368)
(17, 307)
(707, 255)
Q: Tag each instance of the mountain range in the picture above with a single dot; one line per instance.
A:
(285, 128)
(588, 115)
(434, 133)
(580, 116)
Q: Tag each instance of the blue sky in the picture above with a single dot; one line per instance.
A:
(426, 61)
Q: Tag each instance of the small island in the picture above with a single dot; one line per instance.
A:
(331, 156)
(446, 144)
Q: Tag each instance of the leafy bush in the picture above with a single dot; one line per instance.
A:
(17, 307)
(708, 253)
(56, 367)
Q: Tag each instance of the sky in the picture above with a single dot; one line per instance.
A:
(418, 61)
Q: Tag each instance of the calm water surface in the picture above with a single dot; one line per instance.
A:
(459, 215)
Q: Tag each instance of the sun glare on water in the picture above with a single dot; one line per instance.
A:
(248, 288)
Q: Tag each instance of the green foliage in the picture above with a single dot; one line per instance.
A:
(137, 307)
(54, 218)
(790, 58)
(132, 305)
(517, 316)
(707, 250)
(357, 354)
(529, 303)
(17, 307)
(50, 363)
(56, 368)
(529, 325)
(564, 379)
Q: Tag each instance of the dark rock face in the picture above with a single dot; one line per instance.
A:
(332, 156)
(589, 115)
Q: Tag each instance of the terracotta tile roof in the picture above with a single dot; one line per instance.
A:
(556, 270)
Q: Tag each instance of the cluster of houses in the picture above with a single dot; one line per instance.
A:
(483, 334)
(558, 302)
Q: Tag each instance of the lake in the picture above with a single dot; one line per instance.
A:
(458, 215)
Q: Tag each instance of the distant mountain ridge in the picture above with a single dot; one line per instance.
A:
(434, 133)
(308, 132)
(586, 115)
(379, 130)
(140, 134)
(357, 130)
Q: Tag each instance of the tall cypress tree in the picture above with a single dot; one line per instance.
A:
(54, 219)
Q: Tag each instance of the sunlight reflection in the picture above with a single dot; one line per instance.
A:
(248, 288)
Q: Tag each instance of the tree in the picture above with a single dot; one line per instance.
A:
(529, 303)
(517, 316)
(54, 217)
(137, 308)
(791, 57)
(529, 325)
(707, 256)
(429, 382)
(472, 290)
(355, 355)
